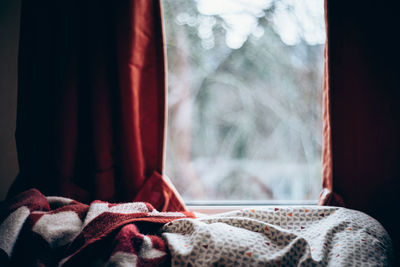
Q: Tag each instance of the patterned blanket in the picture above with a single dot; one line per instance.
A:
(280, 236)
(53, 231)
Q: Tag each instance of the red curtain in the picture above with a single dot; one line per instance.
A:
(91, 101)
(361, 167)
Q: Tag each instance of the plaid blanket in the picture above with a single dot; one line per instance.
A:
(54, 231)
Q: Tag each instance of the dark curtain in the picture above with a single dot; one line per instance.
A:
(361, 167)
(91, 101)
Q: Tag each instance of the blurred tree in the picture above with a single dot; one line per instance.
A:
(244, 106)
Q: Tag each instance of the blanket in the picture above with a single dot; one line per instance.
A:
(279, 236)
(54, 231)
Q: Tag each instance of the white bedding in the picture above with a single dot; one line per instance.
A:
(279, 236)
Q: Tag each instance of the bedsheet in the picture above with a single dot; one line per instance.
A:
(279, 236)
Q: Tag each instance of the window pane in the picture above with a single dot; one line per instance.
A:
(245, 93)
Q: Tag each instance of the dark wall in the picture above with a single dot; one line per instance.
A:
(9, 30)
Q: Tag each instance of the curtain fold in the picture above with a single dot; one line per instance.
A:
(91, 101)
(327, 195)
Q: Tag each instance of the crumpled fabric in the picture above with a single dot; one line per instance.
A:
(280, 236)
(55, 231)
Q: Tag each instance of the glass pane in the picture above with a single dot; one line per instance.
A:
(245, 92)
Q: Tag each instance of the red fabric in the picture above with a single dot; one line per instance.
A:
(56, 231)
(327, 196)
(91, 101)
(362, 117)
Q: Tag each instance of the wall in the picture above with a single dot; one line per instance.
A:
(9, 31)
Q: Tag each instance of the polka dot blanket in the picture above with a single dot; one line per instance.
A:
(279, 236)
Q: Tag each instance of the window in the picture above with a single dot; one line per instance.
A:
(245, 98)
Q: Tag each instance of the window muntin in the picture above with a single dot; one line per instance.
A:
(245, 93)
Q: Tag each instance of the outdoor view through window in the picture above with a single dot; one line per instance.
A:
(245, 98)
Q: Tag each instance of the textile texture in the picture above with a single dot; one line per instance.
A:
(284, 236)
(54, 231)
(91, 102)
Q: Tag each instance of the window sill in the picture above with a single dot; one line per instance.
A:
(214, 207)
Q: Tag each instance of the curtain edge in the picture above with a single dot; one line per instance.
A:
(327, 196)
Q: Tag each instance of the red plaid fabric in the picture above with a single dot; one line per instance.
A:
(54, 231)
